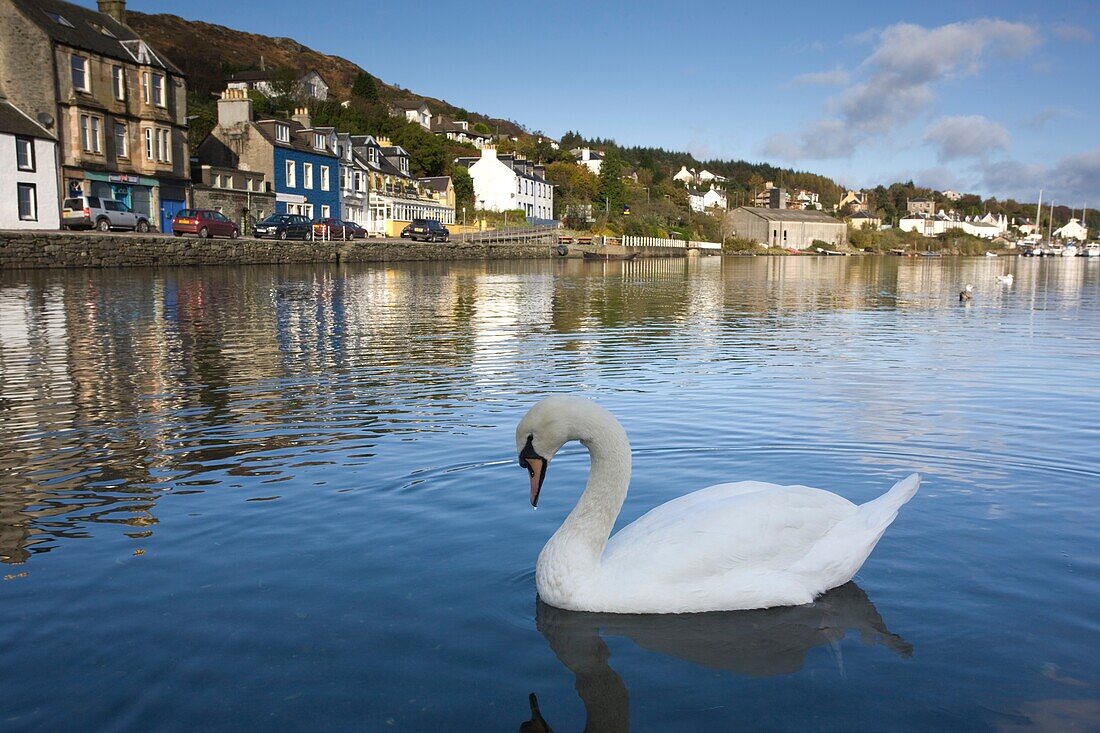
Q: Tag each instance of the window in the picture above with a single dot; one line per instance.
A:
(291, 175)
(282, 133)
(158, 91)
(60, 19)
(324, 178)
(118, 74)
(122, 141)
(318, 141)
(146, 95)
(90, 134)
(81, 80)
(307, 209)
(28, 202)
(326, 211)
(307, 175)
(227, 182)
(158, 144)
(24, 153)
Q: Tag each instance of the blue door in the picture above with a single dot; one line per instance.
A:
(168, 210)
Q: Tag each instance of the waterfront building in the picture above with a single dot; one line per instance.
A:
(354, 182)
(117, 107)
(459, 131)
(395, 196)
(864, 219)
(243, 196)
(1074, 230)
(589, 158)
(265, 81)
(413, 110)
(28, 172)
(508, 182)
(298, 162)
(787, 228)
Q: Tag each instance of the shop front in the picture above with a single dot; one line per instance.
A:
(139, 193)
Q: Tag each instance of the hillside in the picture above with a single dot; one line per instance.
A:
(209, 53)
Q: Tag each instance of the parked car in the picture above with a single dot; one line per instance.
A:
(355, 231)
(284, 226)
(204, 222)
(428, 230)
(93, 212)
(330, 228)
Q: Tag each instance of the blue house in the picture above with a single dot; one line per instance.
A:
(300, 163)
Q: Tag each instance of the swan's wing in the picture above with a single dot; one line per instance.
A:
(723, 529)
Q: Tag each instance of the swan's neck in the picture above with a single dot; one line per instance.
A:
(583, 535)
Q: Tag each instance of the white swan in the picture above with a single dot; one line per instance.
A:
(726, 547)
(1005, 279)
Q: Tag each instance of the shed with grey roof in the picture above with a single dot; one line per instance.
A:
(788, 228)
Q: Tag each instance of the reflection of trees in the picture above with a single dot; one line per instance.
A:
(762, 643)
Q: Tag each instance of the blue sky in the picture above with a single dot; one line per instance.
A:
(996, 98)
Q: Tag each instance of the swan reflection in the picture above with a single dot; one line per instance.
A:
(762, 643)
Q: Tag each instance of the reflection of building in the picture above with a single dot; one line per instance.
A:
(788, 228)
(118, 107)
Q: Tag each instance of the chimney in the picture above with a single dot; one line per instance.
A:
(114, 8)
(234, 108)
(301, 116)
(383, 142)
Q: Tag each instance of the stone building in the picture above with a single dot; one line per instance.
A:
(920, 205)
(298, 163)
(117, 107)
(787, 228)
(243, 196)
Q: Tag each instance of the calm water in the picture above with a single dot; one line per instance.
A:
(287, 498)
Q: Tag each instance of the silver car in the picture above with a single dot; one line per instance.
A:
(93, 212)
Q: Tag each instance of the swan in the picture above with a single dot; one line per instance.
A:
(1005, 279)
(732, 546)
(966, 293)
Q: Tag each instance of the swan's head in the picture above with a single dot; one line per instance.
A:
(552, 423)
(970, 287)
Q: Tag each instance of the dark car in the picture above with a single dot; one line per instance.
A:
(355, 231)
(330, 228)
(427, 230)
(284, 226)
(205, 223)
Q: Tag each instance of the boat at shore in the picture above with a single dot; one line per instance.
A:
(1092, 249)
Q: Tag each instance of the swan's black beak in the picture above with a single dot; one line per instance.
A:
(536, 467)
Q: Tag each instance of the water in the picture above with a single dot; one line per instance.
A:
(287, 498)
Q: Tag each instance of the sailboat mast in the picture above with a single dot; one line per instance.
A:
(1050, 224)
(1039, 214)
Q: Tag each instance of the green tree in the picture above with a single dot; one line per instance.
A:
(464, 188)
(365, 88)
(611, 192)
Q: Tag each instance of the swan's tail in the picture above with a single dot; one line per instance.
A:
(882, 511)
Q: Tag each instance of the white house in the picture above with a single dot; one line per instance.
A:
(263, 81)
(1074, 230)
(590, 159)
(507, 182)
(685, 176)
(414, 111)
(459, 131)
(714, 199)
(952, 195)
(28, 172)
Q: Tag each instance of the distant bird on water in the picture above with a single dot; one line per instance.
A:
(966, 294)
(1005, 279)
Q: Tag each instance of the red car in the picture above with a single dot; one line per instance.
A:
(205, 223)
(331, 228)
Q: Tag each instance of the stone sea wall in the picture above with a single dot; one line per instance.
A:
(34, 250)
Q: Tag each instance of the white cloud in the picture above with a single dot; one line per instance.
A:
(1074, 179)
(899, 79)
(1072, 33)
(835, 78)
(970, 136)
